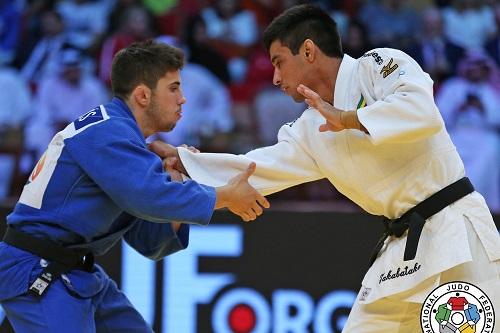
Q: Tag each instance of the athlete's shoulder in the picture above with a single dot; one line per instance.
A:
(103, 124)
(384, 61)
(93, 117)
(80, 127)
(379, 56)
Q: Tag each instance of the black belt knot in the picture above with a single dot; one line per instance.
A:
(396, 227)
(414, 219)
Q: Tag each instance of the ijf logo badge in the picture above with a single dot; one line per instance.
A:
(457, 307)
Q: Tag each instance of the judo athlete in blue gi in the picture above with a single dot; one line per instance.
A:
(96, 184)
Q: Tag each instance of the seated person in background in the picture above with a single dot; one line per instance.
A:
(15, 110)
(470, 105)
(62, 98)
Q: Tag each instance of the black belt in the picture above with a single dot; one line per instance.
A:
(61, 259)
(414, 219)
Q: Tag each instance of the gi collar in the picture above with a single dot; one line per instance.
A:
(343, 84)
(120, 103)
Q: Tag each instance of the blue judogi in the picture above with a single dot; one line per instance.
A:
(96, 183)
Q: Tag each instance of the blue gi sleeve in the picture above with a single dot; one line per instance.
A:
(116, 158)
(157, 240)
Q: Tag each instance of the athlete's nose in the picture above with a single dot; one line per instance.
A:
(276, 77)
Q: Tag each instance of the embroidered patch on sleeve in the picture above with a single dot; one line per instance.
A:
(90, 117)
(378, 59)
(388, 69)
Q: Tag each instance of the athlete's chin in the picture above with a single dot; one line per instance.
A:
(298, 98)
(169, 127)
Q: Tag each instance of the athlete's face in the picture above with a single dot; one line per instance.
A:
(165, 108)
(288, 69)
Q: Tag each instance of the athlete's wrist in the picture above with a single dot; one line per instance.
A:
(221, 194)
(350, 120)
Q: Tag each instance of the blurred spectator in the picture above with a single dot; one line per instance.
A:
(14, 111)
(200, 51)
(85, 21)
(135, 26)
(272, 100)
(61, 99)
(10, 21)
(117, 12)
(493, 45)
(31, 30)
(419, 5)
(264, 10)
(206, 116)
(355, 42)
(389, 23)
(470, 106)
(260, 75)
(170, 16)
(338, 14)
(437, 55)
(160, 7)
(224, 38)
(469, 23)
(44, 57)
(233, 32)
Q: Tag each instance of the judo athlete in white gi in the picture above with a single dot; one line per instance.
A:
(385, 147)
(96, 184)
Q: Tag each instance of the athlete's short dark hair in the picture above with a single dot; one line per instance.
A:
(143, 62)
(301, 22)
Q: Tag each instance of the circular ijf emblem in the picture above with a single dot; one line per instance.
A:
(457, 307)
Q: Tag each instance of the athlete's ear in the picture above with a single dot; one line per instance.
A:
(141, 95)
(308, 50)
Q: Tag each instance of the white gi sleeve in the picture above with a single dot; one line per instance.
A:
(403, 108)
(281, 166)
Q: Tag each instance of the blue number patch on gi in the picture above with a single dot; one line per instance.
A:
(90, 117)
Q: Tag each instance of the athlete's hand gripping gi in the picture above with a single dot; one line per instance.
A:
(170, 155)
(176, 176)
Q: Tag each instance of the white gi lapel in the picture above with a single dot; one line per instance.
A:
(344, 92)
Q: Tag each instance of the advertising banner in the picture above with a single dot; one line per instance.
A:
(285, 272)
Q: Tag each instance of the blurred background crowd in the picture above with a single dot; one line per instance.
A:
(55, 60)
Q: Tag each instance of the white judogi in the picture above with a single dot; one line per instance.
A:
(407, 157)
